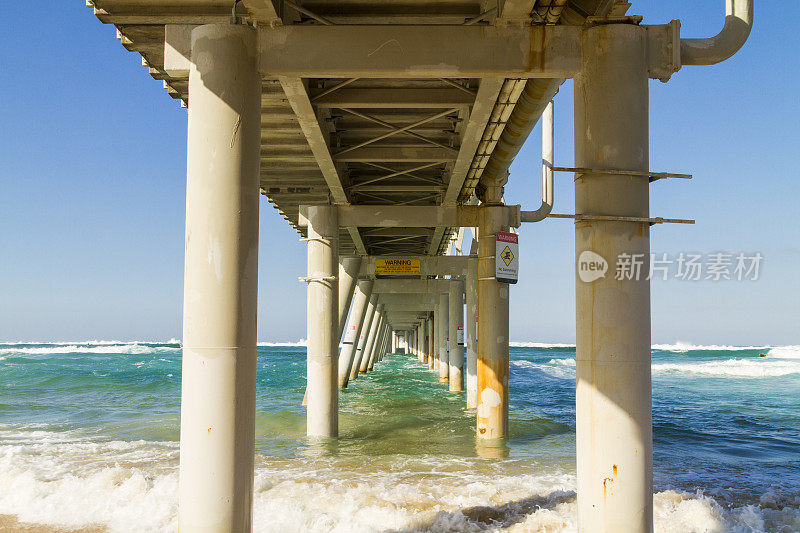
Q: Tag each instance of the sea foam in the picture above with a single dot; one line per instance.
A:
(64, 481)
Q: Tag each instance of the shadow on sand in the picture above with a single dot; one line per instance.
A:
(484, 518)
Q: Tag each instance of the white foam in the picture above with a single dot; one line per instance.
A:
(301, 342)
(682, 347)
(66, 481)
(785, 352)
(737, 368)
(520, 344)
(133, 348)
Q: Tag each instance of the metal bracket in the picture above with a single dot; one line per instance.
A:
(325, 278)
(651, 221)
(663, 50)
(654, 176)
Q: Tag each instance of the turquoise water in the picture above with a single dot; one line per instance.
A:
(88, 435)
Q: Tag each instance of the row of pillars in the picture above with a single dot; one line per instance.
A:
(614, 435)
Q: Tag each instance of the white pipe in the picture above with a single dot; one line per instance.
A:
(548, 133)
(738, 23)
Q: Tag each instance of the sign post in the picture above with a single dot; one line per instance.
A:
(506, 257)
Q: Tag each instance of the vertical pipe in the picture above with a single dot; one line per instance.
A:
(322, 413)
(471, 331)
(493, 298)
(220, 282)
(354, 328)
(444, 336)
(613, 390)
(431, 342)
(348, 275)
(373, 332)
(362, 337)
(456, 357)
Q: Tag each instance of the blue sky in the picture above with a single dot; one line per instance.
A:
(92, 183)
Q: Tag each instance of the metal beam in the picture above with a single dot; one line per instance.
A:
(263, 12)
(393, 98)
(423, 51)
(415, 286)
(419, 216)
(297, 95)
(390, 299)
(398, 154)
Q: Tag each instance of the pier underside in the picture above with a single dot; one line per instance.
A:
(380, 131)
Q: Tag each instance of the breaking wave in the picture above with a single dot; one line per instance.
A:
(71, 482)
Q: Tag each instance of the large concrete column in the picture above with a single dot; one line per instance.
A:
(444, 336)
(220, 282)
(471, 331)
(363, 336)
(348, 275)
(492, 367)
(322, 412)
(420, 333)
(431, 341)
(613, 395)
(354, 328)
(456, 357)
(376, 346)
(394, 342)
(436, 335)
(373, 333)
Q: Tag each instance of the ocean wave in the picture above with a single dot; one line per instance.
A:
(133, 486)
(301, 342)
(729, 368)
(785, 352)
(132, 348)
(519, 344)
(736, 368)
(682, 347)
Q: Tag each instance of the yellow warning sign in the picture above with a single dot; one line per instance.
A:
(388, 266)
(507, 255)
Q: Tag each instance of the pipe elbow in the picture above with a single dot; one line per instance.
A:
(735, 32)
(538, 215)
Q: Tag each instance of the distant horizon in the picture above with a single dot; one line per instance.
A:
(684, 344)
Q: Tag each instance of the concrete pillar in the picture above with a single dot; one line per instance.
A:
(386, 340)
(456, 334)
(420, 338)
(362, 337)
(373, 332)
(492, 364)
(423, 341)
(220, 282)
(354, 329)
(377, 342)
(322, 412)
(444, 336)
(436, 335)
(613, 390)
(471, 331)
(348, 275)
(431, 341)
(394, 342)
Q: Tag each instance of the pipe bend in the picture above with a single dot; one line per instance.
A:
(713, 50)
(548, 121)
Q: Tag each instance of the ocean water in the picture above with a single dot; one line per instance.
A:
(88, 436)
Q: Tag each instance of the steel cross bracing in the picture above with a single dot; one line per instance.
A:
(356, 140)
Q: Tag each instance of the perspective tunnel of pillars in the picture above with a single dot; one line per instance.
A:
(381, 132)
